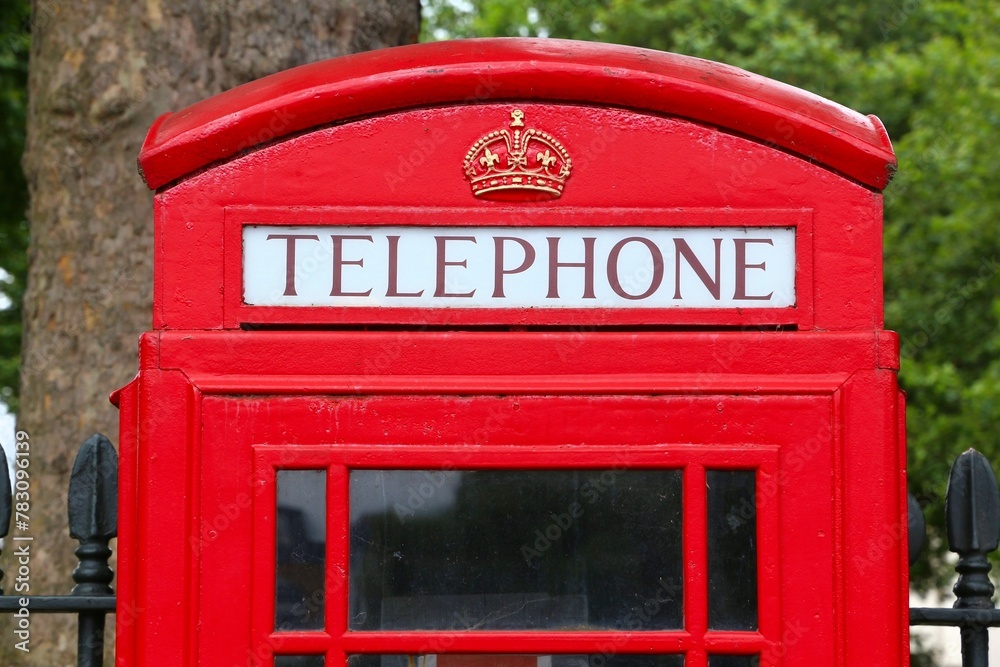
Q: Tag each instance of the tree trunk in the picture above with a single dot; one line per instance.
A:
(100, 73)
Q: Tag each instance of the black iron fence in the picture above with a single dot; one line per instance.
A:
(93, 521)
(972, 512)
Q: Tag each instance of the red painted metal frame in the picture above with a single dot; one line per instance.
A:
(696, 640)
(237, 313)
(305, 446)
(820, 398)
(477, 71)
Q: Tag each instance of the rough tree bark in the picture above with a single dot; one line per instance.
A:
(100, 73)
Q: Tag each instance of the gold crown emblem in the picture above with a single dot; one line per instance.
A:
(510, 163)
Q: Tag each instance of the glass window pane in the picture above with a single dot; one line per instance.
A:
(301, 540)
(514, 660)
(732, 550)
(299, 661)
(516, 550)
(733, 661)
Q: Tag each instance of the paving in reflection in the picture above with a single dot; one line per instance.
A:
(516, 550)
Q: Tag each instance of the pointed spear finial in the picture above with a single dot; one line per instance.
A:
(93, 514)
(972, 510)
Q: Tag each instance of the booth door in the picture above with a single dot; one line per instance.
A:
(516, 531)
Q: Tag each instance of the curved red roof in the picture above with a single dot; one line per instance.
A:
(470, 71)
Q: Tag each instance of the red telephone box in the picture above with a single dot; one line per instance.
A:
(515, 352)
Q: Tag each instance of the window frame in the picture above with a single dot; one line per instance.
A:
(696, 640)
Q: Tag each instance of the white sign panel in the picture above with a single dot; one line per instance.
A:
(519, 267)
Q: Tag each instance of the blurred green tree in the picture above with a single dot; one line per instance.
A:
(930, 69)
(14, 43)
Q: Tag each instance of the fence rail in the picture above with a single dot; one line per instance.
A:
(972, 513)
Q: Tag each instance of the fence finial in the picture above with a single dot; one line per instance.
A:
(93, 514)
(972, 510)
(5, 503)
(973, 514)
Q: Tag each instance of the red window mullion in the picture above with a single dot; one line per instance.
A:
(768, 561)
(337, 549)
(430, 642)
(695, 519)
(263, 541)
(735, 642)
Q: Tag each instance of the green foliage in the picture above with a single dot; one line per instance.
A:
(14, 41)
(931, 70)
(943, 252)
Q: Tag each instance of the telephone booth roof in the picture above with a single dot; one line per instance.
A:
(487, 70)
